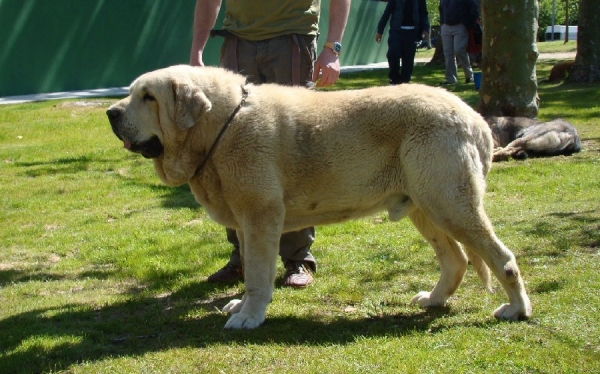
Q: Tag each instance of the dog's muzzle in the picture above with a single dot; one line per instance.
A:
(151, 148)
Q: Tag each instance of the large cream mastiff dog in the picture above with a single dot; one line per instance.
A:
(268, 159)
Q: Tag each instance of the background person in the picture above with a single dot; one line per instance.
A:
(457, 18)
(274, 42)
(409, 23)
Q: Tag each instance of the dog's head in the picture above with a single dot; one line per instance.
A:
(161, 105)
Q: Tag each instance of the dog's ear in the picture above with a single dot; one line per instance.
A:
(190, 104)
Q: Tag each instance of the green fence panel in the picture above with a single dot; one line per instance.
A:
(66, 45)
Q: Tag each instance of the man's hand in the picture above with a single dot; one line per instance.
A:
(328, 64)
(378, 38)
(196, 58)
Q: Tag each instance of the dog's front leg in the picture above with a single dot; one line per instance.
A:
(259, 256)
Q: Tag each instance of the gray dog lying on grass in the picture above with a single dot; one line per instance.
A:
(521, 137)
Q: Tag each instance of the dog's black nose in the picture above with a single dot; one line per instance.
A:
(113, 113)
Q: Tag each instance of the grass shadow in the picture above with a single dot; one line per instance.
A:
(66, 165)
(586, 226)
(183, 319)
(15, 276)
(179, 197)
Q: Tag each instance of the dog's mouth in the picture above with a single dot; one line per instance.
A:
(151, 148)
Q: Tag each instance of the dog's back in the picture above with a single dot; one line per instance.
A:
(373, 137)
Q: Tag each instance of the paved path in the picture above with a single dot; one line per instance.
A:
(423, 60)
(122, 91)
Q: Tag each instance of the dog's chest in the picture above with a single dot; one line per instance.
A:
(208, 193)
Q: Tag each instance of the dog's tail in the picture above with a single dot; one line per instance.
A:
(483, 271)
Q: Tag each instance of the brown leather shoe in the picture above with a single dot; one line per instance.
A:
(228, 274)
(297, 274)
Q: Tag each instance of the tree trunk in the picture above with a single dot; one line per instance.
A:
(567, 22)
(438, 55)
(509, 83)
(587, 62)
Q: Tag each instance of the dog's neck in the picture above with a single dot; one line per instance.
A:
(225, 126)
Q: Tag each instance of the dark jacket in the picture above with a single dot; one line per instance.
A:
(454, 12)
(395, 9)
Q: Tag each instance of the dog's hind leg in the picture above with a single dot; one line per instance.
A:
(475, 232)
(503, 264)
(460, 214)
(483, 271)
(451, 258)
(516, 149)
(501, 154)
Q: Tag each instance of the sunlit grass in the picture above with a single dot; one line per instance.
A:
(103, 269)
(557, 46)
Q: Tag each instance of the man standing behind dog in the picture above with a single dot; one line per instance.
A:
(409, 23)
(457, 18)
(274, 42)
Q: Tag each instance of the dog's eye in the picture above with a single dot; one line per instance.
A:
(148, 97)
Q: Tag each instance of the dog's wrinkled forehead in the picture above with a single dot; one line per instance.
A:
(170, 95)
(147, 87)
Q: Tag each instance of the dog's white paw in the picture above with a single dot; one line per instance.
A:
(513, 313)
(245, 321)
(234, 306)
(424, 300)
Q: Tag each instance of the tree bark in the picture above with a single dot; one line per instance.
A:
(509, 83)
(438, 55)
(587, 61)
(567, 22)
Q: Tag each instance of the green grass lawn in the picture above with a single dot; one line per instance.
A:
(557, 46)
(543, 47)
(103, 269)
